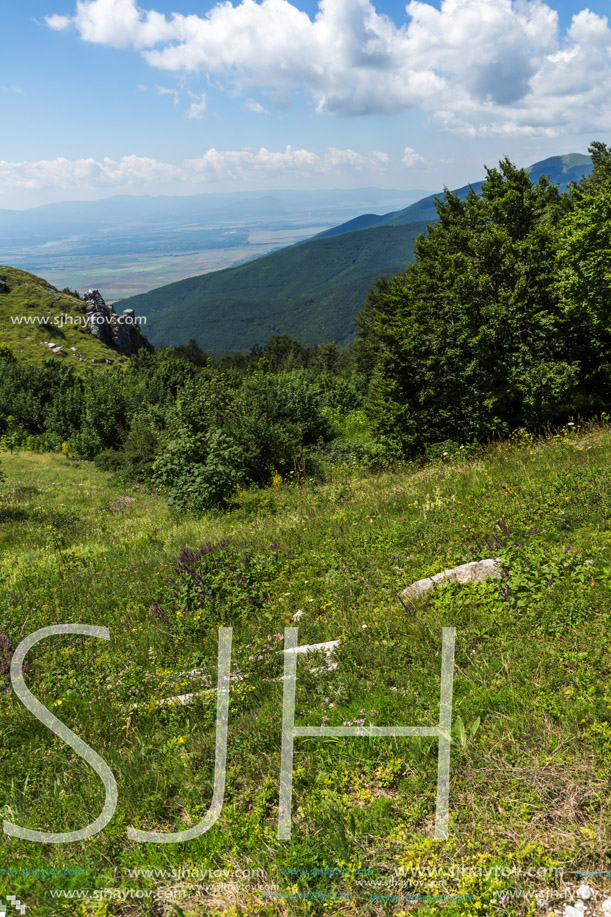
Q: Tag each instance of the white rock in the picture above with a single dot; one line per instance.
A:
(606, 906)
(314, 647)
(571, 911)
(585, 892)
(473, 572)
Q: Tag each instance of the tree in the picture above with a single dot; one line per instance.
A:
(584, 279)
(466, 341)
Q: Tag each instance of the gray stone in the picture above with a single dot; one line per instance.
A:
(474, 572)
(4, 287)
(119, 332)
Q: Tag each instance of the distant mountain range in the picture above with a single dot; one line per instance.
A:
(126, 245)
(128, 217)
(312, 290)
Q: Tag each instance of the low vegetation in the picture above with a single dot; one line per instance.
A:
(532, 709)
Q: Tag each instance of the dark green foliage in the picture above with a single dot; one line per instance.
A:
(140, 449)
(197, 430)
(584, 269)
(27, 391)
(312, 291)
(276, 420)
(220, 436)
(473, 340)
(198, 471)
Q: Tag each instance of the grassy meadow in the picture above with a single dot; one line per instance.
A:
(33, 313)
(531, 751)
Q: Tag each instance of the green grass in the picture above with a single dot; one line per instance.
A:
(31, 297)
(532, 703)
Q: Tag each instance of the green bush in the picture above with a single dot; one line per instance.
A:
(198, 471)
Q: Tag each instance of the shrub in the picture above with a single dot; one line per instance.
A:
(198, 471)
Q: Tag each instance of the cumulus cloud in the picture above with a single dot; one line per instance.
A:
(490, 62)
(411, 157)
(212, 166)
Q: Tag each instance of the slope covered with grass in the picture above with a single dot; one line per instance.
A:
(33, 314)
(529, 802)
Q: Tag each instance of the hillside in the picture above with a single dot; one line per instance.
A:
(529, 764)
(312, 290)
(37, 321)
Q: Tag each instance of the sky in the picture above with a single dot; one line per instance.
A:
(104, 97)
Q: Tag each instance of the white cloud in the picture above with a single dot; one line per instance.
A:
(197, 107)
(59, 22)
(16, 90)
(214, 165)
(165, 91)
(411, 157)
(497, 65)
(256, 107)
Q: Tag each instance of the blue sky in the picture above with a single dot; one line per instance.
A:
(188, 96)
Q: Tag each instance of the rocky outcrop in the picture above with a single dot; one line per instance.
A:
(4, 287)
(121, 332)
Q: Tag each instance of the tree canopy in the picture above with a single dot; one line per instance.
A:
(502, 321)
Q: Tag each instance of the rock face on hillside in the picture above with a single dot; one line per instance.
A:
(4, 287)
(121, 332)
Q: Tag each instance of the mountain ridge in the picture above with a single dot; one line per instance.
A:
(312, 290)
